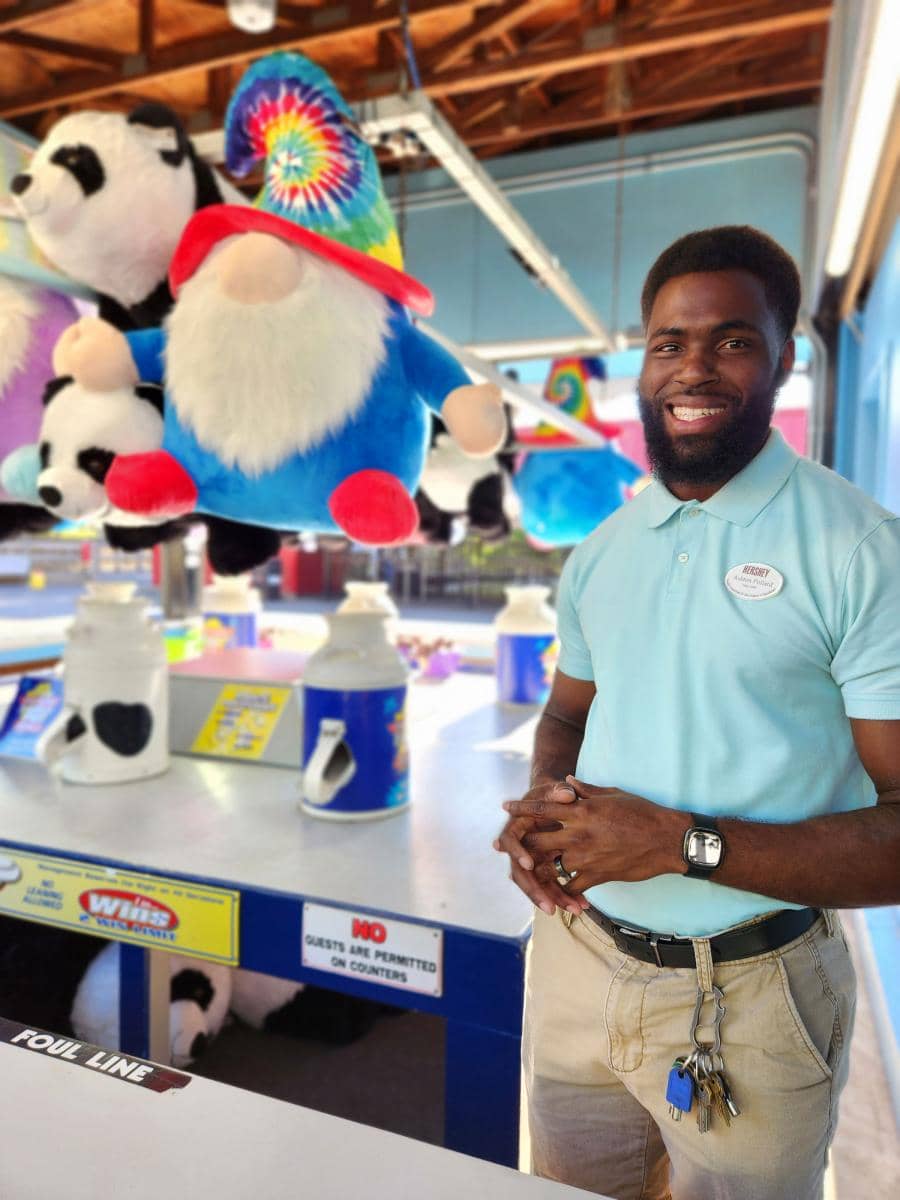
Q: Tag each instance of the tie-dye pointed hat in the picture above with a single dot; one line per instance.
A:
(322, 188)
(567, 387)
(319, 170)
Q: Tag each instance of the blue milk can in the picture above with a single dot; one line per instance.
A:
(526, 646)
(355, 753)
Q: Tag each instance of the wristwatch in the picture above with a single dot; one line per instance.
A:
(704, 847)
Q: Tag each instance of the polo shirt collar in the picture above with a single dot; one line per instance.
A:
(744, 496)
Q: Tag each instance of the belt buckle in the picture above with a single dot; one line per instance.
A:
(623, 932)
(643, 935)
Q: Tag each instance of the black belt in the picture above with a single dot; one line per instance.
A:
(665, 950)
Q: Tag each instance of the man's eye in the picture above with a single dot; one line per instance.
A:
(666, 347)
(736, 344)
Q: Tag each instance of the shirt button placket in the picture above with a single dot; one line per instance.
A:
(689, 534)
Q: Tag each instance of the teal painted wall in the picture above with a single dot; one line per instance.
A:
(752, 170)
(867, 442)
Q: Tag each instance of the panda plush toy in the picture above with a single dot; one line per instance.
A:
(106, 197)
(458, 494)
(199, 999)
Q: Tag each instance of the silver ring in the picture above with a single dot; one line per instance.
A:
(562, 874)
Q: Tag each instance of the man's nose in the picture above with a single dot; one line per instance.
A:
(696, 366)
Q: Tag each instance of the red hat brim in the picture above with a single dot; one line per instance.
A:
(210, 225)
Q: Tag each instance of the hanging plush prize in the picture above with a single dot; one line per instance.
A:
(566, 493)
(297, 388)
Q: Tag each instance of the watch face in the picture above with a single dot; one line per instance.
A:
(704, 849)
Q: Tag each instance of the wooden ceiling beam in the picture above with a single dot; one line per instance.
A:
(789, 15)
(554, 123)
(146, 25)
(322, 25)
(35, 12)
(491, 24)
(703, 63)
(113, 60)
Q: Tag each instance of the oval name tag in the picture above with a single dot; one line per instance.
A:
(754, 581)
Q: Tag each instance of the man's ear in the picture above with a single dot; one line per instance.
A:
(785, 362)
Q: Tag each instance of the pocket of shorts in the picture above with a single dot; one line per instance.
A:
(811, 1004)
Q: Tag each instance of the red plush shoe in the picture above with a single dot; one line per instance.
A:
(374, 508)
(153, 485)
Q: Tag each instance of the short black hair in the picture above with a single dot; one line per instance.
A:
(731, 248)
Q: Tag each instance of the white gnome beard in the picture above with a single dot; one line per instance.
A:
(257, 383)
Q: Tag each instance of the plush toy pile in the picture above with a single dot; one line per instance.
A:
(297, 391)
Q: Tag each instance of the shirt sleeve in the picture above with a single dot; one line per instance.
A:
(866, 666)
(574, 654)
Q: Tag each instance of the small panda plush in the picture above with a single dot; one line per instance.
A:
(458, 494)
(81, 434)
(106, 198)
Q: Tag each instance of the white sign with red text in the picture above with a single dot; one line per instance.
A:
(377, 950)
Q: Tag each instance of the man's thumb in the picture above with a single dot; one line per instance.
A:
(563, 793)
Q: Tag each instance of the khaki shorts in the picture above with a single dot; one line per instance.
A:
(602, 1030)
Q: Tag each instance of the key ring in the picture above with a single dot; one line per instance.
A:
(562, 875)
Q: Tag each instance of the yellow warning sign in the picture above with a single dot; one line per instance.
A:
(242, 720)
(148, 910)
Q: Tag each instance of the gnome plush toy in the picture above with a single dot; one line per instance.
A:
(297, 389)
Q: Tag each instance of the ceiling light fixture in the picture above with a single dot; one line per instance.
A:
(871, 122)
(252, 16)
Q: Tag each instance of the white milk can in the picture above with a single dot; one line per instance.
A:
(355, 754)
(526, 646)
(363, 596)
(114, 724)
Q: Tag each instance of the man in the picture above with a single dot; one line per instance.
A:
(728, 696)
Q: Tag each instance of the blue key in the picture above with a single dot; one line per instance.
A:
(680, 1089)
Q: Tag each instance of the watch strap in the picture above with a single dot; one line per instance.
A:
(707, 824)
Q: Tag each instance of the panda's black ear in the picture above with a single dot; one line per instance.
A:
(55, 386)
(155, 116)
(152, 393)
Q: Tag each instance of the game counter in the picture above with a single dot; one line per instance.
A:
(215, 859)
(156, 1131)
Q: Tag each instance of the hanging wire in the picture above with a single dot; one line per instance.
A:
(617, 234)
(408, 44)
(620, 189)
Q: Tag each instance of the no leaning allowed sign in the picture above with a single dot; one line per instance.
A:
(395, 954)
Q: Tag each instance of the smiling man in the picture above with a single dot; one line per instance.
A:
(717, 769)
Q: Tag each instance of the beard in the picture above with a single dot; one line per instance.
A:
(257, 383)
(712, 458)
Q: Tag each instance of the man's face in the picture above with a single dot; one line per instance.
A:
(714, 360)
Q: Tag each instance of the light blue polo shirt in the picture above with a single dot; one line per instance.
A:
(732, 699)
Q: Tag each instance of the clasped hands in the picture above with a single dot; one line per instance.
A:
(598, 834)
